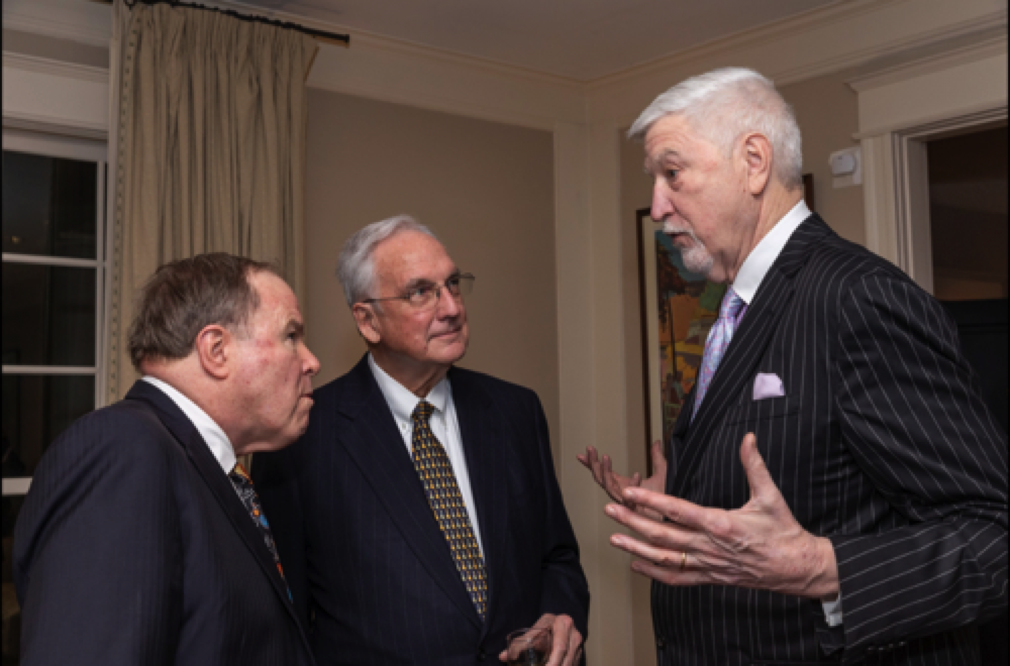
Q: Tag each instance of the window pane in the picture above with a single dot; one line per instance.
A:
(49, 206)
(11, 610)
(48, 315)
(36, 409)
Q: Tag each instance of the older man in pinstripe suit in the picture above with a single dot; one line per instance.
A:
(864, 516)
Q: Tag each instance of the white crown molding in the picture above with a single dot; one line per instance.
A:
(60, 68)
(988, 43)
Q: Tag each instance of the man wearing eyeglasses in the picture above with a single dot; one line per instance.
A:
(419, 518)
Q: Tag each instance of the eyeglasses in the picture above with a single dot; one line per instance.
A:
(425, 296)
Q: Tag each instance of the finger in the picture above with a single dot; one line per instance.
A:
(559, 640)
(668, 576)
(760, 480)
(677, 510)
(662, 557)
(636, 479)
(574, 648)
(655, 532)
(658, 458)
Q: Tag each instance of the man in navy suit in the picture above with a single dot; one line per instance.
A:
(419, 518)
(864, 515)
(141, 540)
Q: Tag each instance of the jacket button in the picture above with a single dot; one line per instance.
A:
(481, 655)
(660, 643)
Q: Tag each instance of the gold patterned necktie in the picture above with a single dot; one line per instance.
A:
(446, 502)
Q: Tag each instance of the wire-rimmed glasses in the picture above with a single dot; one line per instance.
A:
(425, 295)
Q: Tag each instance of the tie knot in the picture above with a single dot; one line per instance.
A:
(423, 411)
(731, 304)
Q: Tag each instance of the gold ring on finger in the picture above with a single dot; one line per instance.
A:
(683, 560)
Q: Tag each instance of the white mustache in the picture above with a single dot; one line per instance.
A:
(670, 230)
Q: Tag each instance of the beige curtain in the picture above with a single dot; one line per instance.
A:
(208, 153)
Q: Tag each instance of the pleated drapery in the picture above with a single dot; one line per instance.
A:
(208, 150)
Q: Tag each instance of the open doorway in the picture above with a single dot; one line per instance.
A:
(968, 215)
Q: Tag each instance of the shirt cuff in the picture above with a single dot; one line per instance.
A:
(833, 611)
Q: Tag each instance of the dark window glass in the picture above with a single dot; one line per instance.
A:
(49, 206)
(36, 409)
(48, 315)
(11, 611)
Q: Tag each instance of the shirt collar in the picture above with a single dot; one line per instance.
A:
(761, 258)
(400, 400)
(212, 434)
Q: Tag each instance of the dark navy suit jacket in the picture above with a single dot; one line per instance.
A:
(132, 547)
(370, 570)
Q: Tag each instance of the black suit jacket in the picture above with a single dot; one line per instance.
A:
(368, 566)
(133, 547)
(882, 443)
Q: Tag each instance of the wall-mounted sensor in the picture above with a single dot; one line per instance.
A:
(847, 167)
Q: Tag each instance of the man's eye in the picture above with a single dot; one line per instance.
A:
(672, 173)
(419, 293)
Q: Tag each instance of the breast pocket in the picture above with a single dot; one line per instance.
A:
(760, 411)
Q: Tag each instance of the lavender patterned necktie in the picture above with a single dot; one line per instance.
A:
(730, 313)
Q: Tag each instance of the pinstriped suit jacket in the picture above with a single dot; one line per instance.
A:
(882, 443)
(370, 571)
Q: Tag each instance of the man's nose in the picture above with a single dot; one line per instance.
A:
(310, 363)
(662, 207)
(448, 305)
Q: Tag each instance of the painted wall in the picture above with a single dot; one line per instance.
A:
(486, 189)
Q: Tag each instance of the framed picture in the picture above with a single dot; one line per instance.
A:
(678, 310)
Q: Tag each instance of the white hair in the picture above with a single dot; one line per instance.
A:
(725, 104)
(356, 265)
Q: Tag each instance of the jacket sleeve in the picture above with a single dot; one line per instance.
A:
(97, 558)
(911, 413)
(565, 590)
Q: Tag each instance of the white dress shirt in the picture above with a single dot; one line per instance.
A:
(752, 274)
(444, 425)
(764, 254)
(218, 442)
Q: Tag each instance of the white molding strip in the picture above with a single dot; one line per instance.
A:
(54, 370)
(18, 485)
(41, 260)
(41, 93)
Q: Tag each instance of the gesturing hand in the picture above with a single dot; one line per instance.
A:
(760, 545)
(566, 646)
(615, 484)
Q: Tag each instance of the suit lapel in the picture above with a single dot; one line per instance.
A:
(218, 482)
(485, 448)
(374, 444)
(746, 350)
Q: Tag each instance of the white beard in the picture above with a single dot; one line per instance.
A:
(696, 258)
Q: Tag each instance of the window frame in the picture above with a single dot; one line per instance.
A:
(88, 150)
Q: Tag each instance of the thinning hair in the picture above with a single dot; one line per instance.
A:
(185, 296)
(723, 105)
(356, 264)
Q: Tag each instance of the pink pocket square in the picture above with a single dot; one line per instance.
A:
(768, 385)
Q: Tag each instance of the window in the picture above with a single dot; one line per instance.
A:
(53, 311)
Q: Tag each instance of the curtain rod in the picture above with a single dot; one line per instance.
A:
(331, 37)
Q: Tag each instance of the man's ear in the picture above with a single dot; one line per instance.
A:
(368, 323)
(758, 154)
(214, 348)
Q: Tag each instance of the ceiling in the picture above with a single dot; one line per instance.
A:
(578, 39)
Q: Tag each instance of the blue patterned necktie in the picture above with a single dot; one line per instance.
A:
(730, 313)
(446, 502)
(244, 487)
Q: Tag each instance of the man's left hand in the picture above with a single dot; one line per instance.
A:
(759, 546)
(566, 649)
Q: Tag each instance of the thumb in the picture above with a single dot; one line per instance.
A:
(758, 477)
(658, 459)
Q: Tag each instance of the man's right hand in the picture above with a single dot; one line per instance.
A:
(614, 483)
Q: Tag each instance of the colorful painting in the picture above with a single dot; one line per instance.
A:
(678, 310)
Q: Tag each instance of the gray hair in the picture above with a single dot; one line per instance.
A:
(356, 265)
(724, 104)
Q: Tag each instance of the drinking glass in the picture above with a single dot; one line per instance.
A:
(529, 647)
